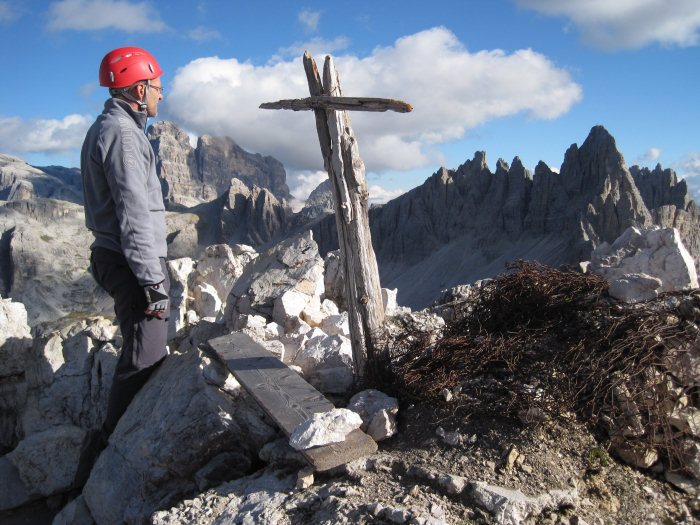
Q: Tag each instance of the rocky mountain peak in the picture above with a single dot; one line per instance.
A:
(463, 225)
(191, 176)
(220, 158)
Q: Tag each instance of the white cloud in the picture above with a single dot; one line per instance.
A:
(450, 89)
(203, 34)
(690, 166)
(8, 12)
(650, 155)
(315, 46)
(309, 19)
(302, 183)
(19, 136)
(689, 169)
(378, 195)
(627, 24)
(92, 15)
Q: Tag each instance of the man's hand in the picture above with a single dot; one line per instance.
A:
(156, 300)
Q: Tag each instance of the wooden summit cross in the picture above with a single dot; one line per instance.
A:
(346, 172)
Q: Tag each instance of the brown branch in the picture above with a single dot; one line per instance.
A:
(340, 104)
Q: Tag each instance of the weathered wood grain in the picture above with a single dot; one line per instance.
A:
(340, 104)
(346, 173)
(283, 393)
(363, 290)
(286, 397)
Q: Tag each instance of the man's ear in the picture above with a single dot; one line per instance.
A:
(139, 91)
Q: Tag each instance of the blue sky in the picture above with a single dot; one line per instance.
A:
(510, 77)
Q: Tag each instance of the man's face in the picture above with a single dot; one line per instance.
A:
(155, 95)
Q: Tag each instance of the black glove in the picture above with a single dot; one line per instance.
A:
(156, 300)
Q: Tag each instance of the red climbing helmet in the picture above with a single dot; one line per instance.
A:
(125, 66)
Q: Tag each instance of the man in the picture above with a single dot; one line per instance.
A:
(124, 210)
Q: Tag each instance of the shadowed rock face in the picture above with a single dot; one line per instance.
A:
(463, 225)
(20, 181)
(194, 175)
(458, 227)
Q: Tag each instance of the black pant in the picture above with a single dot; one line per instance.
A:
(145, 337)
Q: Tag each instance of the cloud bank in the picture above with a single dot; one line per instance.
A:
(450, 89)
(92, 15)
(627, 24)
(22, 136)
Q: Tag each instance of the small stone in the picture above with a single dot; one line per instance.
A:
(324, 428)
(447, 395)
(511, 458)
(305, 478)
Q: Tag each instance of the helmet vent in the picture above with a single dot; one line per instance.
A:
(150, 67)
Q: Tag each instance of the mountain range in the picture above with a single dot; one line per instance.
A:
(459, 226)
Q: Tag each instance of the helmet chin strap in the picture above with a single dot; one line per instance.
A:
(143, 104)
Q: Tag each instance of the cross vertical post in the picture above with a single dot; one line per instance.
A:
(346, 172)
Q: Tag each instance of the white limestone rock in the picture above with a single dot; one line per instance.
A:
(325, 428)
(220, 268)
(312, 312)
(329, 308)
(273, 331)
(191, 420)
(206, 300)
(512, 507)
(391, 306)
(337, 325)
(288, 306)
(179, 271)
(642, 263)
(15, 337)
(383, 425)
(68, 380)
(291, 265)
(326, 362)
(47, 461)
(369, 402)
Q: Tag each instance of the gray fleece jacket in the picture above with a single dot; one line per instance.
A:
(123, 199)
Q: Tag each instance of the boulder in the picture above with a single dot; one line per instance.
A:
(15, 340)
(512, 507)
(69, 374)
(326, 362)
(179, 271)
(205, 300)
(220, 268)
(378, 412)
(642, 263)
(324, 428)
(45, 464)
(15, 337)
(337, 325)
(189, 413)
(288, 307)
(293, 265)
(75, 513)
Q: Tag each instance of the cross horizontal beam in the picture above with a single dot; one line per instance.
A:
(340, 104)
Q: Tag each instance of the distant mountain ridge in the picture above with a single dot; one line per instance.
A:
(463, 225)
(194, 175)
(459, 226)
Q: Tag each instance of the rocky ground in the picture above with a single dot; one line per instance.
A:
(423, 475)
(470, 453)
(428, 472)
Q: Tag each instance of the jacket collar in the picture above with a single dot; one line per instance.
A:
(139, 117)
